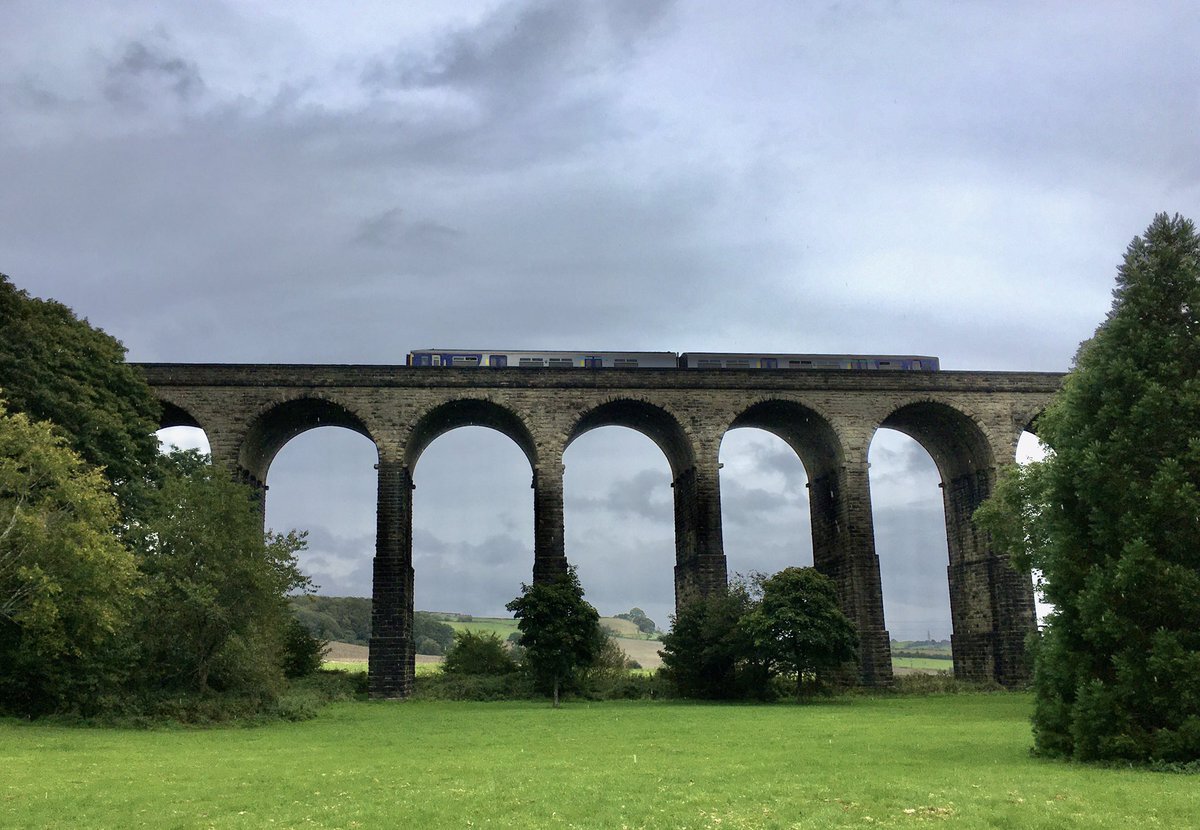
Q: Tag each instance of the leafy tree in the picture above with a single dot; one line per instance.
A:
(1112, 520)
(478, 652)
(439, 635)
(708, 653)
(303, 653)
(798, 626)
(638, 617)
(56, 367)
(66, 582)
(215, 613)
(560, 630)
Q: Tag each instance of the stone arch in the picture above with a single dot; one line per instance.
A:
(699, 559)
(802, 427)
(843, 542)
(954, 439)
(991, 605)
(277, 424)
(815, 441)
(652, 420)
(466, 412)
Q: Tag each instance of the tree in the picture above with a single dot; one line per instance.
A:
(66, 581)
(1112, 520)
(478, 652)
(798, 626)
(638, 617)
(438, 636)
(215, 614)
(56, 367)
(560, 630)
(708, 652)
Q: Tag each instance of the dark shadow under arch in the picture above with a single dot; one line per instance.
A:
(174, 415)
(951, 437)
(273, 428)
(468, 412)
(656, 423)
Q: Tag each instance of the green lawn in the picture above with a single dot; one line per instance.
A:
(960, 761)
(499, 626)
(924, 663)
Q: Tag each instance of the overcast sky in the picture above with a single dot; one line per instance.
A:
(249, 182)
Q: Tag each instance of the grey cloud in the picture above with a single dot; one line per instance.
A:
(146, 69)
(900, 464)
(391, 228)
(524, 51)
(339, 565)
(646, 494)
(756, 505)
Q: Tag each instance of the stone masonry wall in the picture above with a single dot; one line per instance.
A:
(969, 420)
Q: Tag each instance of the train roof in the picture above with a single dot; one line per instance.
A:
(813, 354)
(537, 351)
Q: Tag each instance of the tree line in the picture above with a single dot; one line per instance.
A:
(130, 581)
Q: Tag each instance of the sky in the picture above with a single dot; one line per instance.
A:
(273, 182)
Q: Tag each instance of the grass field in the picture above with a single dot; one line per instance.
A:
(959, 761)
(922, 663)
(644, 651)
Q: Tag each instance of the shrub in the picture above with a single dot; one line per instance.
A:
(478, 653)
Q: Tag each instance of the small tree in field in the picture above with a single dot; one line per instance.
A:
(560, 630)
(798, 626)
(1112, 519)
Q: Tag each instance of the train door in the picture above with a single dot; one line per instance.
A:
(498, 361)
(768, 363)
(592, 362)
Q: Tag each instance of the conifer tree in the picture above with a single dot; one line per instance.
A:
(1112, 519)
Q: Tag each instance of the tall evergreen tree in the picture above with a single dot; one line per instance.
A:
(1112, 519)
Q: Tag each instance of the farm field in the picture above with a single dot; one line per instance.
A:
(645, 652)
(848, 762)
(924, 664)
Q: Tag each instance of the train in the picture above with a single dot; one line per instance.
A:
(472, 358)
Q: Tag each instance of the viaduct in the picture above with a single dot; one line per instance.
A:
(969, 422)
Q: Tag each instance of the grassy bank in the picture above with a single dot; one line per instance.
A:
(851, 762)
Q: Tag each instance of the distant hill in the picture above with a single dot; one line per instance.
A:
(347, 620)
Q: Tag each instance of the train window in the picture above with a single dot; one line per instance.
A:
(710, 364)
(531, 361)
(625, 363)
(465, 360)
(560, 361)
(737, 364)
(916, 364)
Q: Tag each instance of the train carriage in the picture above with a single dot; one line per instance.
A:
(467, 358)
(714, 360)
(473, 358)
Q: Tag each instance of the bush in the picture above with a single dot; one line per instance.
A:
(303, 653)
(478, 653)
(481, 687)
